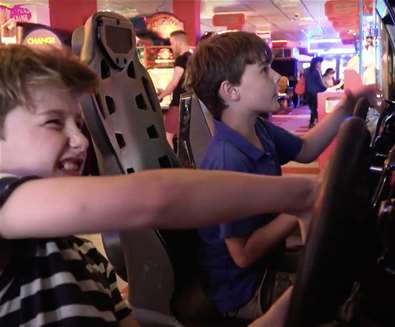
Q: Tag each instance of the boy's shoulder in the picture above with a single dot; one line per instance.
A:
(2, 175)
(8, 183)
(224, 154)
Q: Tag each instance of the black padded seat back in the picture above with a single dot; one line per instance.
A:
(125, 122)
(128, 107)
(196, 130)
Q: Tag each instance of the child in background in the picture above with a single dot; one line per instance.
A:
(329, 80)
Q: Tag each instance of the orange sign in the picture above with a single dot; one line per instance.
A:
(344, 16)
(231, 21)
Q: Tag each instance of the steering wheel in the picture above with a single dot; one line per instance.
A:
(337, 244)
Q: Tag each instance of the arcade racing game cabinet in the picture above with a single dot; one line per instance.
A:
(347, 274)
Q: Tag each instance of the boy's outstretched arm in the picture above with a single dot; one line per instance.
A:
(319, 137)
(167, 198)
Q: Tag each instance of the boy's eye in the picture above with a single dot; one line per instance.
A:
(79, 123)
(54, 123)
(264, 69)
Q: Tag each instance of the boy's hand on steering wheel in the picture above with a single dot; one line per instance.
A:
(304, 217)
(351, 97)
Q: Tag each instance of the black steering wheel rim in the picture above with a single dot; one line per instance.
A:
(327, 268)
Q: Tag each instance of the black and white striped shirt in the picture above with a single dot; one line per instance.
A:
(61, 282)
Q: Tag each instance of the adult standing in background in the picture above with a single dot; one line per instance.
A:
(314, 85)
(179, 44)
(368, 58)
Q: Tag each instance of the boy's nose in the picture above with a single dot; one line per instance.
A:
(78, 141)
(276, 76)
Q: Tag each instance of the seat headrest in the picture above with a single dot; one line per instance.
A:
(77, 39)
(116, 37)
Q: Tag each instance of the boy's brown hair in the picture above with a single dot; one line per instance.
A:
(223, 57)
(23, 69)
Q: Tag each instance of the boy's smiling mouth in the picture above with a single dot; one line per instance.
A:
(71, 166)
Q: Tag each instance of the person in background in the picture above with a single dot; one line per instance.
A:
(207, 35)
(329, 77)
(329, 80)
(368, 59)
(313, 85)
(283, 98)
(300, 89)
(180, 47)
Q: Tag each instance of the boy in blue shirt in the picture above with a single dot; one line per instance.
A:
(231, 74)
(48, 277)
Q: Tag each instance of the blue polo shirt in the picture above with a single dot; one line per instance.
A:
(228, 285)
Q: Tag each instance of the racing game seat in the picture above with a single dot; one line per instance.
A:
(196, 130)
(125, 121)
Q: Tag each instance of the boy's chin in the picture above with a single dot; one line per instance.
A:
(62, 173)
(274, 108)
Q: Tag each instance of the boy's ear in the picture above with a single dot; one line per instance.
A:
(229, 91)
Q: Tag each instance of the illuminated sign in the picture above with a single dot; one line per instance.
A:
(9, 16)
(42, 37)
(21, 14)
(164, 24)
(18, 13)
(329, 46)
(40, 40)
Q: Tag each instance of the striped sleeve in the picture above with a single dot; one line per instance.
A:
(9, 184)
(121, 307)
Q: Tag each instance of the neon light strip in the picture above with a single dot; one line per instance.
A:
(333, 51)
(325, 41)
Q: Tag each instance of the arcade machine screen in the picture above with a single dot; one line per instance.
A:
(159, 61)
(161, 77)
